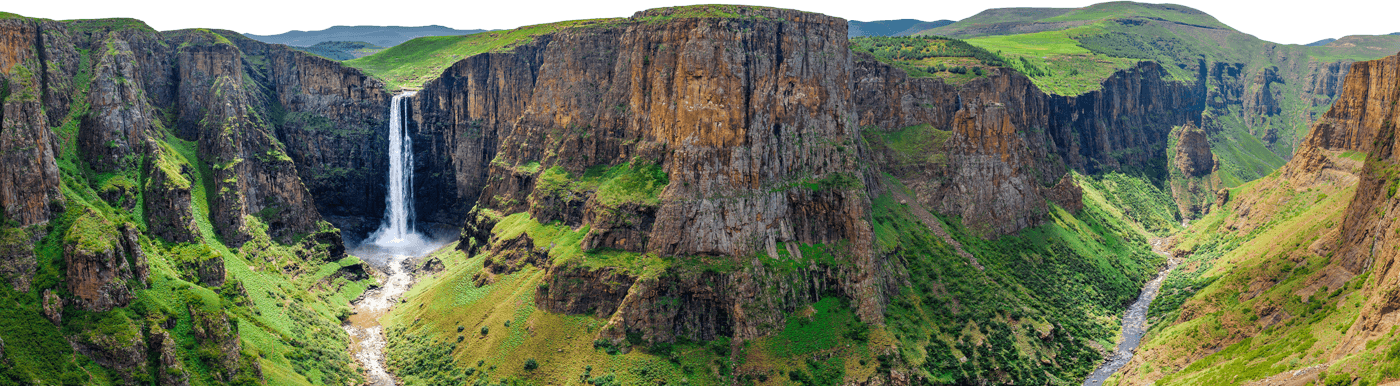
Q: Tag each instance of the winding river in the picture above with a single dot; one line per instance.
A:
(1134, 325)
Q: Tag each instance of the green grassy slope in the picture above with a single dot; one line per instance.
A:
(1260, 296)
(1041, 328)
(414, 62)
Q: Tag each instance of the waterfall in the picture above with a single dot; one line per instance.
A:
(397, 229)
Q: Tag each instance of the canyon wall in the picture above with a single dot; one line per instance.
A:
(1009, 144)
(730, 120)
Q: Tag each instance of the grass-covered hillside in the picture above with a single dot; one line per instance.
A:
(414, 62)
(952, 60)
(342, 50)
(1035, 308)
(1258, 293)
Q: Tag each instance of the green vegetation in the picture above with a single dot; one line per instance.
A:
(282, 301)
(1253, 300)
(637, 182)
(417, 61)
(1066, 278)
(912, 146)
(930, 56)
(341, 50)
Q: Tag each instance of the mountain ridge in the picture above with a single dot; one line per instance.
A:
(383, 36)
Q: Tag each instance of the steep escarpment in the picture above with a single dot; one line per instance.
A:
(719, 131)
(694, 183)
(461, 116)
(155, 227)
(1002, 145)
(30, 180)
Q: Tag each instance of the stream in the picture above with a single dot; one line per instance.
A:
(1134, 324)
(367, 341)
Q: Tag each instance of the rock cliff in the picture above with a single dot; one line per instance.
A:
(29, 177)
(1003, 145)
(101, 261)
(737, 134)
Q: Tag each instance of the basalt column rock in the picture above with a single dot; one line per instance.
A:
(251, 172)
(29, 177)
(114, 131)
(999, 147)
(458, 119)
(739, 128)
(335, 130)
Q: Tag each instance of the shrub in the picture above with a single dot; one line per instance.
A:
(531, 364)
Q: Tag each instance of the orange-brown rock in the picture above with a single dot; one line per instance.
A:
(742, 115)
(1193, 156)
(100, 258)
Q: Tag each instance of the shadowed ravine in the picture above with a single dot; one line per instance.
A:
(1134, 324)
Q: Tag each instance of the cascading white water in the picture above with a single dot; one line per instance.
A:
(397, 229)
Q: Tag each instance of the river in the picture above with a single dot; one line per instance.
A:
(1134, 324)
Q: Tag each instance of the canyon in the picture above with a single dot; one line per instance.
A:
(704, 194)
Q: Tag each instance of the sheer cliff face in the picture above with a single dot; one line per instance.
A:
(29, 178)
(1364, 119)
(741, 115)
(1009, 144)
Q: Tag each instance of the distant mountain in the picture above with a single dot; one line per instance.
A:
(1320, 43)
(383, 36)
(341, 50)
(901, 27)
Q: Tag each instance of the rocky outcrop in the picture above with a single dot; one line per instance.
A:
(578, 290)
(214, 332)
(1193, 167)
(458, 119)
(1193, 156)
(168, 206)
(29, 177)
(17, 259)
(53, 307)
(172, 370)
(118, 345)
(100, 260)
(112, 134)
(335, 131)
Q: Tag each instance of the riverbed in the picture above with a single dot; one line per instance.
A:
(1134, 324)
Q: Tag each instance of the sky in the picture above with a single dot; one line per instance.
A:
(1282, 21)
